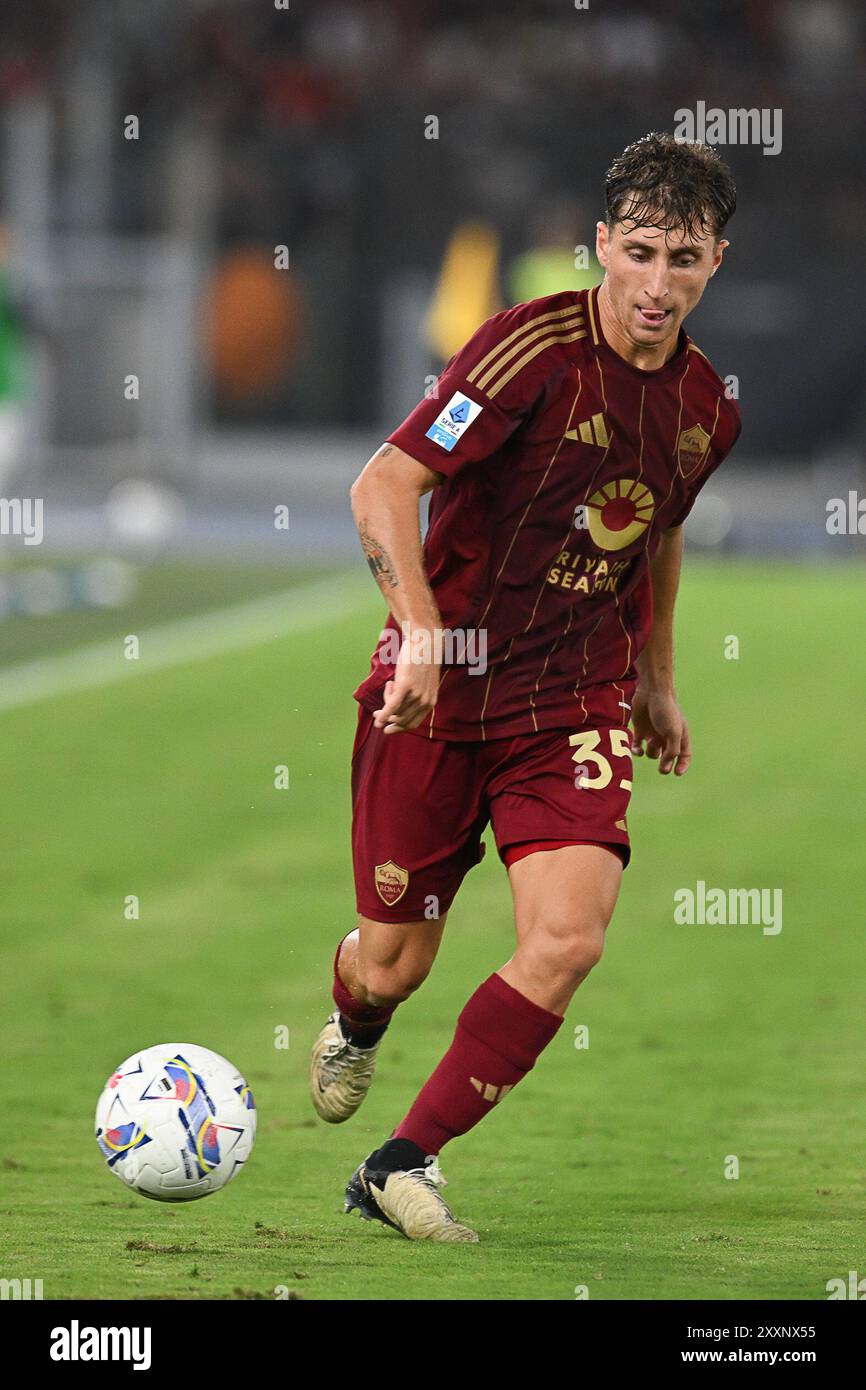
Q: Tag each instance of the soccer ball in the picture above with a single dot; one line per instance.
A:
(176, 1122)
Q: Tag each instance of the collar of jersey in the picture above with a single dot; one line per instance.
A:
(673, 366)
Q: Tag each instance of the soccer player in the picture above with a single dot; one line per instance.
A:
(564, 446)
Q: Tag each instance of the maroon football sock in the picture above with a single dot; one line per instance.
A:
(362, 1024)
(499, 1036)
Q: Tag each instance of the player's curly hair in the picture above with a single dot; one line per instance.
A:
(659, 181)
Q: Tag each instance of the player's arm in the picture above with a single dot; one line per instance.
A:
(660, 728)
(385, 503)
(482, 396)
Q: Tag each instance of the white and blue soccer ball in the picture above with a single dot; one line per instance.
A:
(176, 1122)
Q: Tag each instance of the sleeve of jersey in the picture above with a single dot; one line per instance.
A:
(721, 454)
(484, 393)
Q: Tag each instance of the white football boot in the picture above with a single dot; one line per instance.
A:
(340, 1073)
(409, 1200)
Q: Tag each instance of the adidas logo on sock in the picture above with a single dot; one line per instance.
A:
(492, 1093)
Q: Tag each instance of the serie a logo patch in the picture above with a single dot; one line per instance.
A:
(453, 420)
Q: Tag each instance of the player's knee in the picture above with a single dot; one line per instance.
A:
(392, 982)
(573, 959)
(565, 948)
(585, 953)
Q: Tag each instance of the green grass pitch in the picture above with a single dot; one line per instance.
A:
(606, 1167)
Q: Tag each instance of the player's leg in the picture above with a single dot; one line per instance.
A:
(563, 900)
(415, 834)
(380, 964)
(377, 967)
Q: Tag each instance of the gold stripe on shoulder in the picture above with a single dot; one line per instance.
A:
(524, 328)
(693, 347)
(533, 352)
(575, 322)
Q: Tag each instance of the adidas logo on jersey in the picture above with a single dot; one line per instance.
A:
(591, 431)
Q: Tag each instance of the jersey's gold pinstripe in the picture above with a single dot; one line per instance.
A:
(562, 601)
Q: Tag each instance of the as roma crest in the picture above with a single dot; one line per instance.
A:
(692, 448)
(391, 882)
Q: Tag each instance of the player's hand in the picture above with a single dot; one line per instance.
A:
(660, 730)
(409, 697)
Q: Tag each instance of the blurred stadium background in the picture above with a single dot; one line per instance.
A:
(301, 136)
(283, 259)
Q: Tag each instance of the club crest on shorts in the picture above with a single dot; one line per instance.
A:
(692, 448)
(391, 882)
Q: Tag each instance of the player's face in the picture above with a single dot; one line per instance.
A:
(655, 278)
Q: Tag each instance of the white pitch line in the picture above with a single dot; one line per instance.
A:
(286, 614)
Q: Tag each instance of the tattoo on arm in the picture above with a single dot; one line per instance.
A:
(378, 559)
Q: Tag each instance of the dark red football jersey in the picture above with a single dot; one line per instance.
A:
(562, 463)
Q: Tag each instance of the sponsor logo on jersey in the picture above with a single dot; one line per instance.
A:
(454, 419)
(391, 882)
(619, 513)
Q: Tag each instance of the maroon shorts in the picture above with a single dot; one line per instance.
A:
(420, 806)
